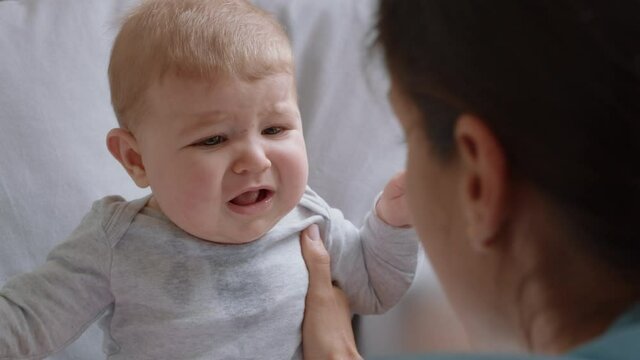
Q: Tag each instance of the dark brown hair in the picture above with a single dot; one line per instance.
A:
(557, 81)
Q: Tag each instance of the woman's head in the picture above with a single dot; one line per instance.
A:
(554, 86)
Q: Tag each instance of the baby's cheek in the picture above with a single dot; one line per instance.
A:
(294, 181)
(200, 202)
(202, 184)
(294, 161)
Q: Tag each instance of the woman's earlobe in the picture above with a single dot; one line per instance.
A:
(485, 182)
(124, 148)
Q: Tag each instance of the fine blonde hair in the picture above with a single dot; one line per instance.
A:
(193, 38)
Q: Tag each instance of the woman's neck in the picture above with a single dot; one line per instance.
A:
(558, 330)
(561, 296)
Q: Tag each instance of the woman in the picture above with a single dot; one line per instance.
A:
(522, 121)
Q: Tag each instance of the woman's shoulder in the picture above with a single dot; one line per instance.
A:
(475, 357)
(620, 342)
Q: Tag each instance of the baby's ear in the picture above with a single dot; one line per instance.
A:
(124, 147)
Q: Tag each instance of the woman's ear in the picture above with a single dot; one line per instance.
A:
(124, 147)
(485, 180)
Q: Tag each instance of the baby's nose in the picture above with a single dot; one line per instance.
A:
(251, 159)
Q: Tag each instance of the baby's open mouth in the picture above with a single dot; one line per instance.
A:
(251, 197)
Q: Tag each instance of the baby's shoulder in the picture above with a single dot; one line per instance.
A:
(114, 205)
(114, 212)
(313, 203)
(108, 205)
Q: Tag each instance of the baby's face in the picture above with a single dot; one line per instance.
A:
(225, 159)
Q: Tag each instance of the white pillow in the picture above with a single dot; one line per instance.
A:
(55, 113)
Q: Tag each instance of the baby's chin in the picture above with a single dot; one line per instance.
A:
(245, 236)
(234, 240)
(247, 233)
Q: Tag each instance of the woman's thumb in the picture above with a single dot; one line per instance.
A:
(317, 259)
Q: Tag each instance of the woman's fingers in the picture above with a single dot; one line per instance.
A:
(318, 262)
(326, 329)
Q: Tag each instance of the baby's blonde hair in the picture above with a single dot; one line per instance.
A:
(193, 38)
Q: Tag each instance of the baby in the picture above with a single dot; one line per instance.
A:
(208, 266)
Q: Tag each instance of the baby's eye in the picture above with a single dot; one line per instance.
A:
(274, 130)
(212, 141)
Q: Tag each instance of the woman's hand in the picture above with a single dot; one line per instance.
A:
(326, 329)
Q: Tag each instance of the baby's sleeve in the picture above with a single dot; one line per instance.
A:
(374, 265)
(43, 311)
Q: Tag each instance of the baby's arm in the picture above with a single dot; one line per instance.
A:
(43, 311)
(376, 264)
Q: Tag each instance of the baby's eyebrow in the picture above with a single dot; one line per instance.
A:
(200, 120)
(282, 108)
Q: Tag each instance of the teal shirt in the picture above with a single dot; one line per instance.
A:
(620, 342)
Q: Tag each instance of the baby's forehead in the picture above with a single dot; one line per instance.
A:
(177, 81)
(175, 92)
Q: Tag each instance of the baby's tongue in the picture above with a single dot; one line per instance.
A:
(247, 198)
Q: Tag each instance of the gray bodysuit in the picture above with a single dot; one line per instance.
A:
(161, 293)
